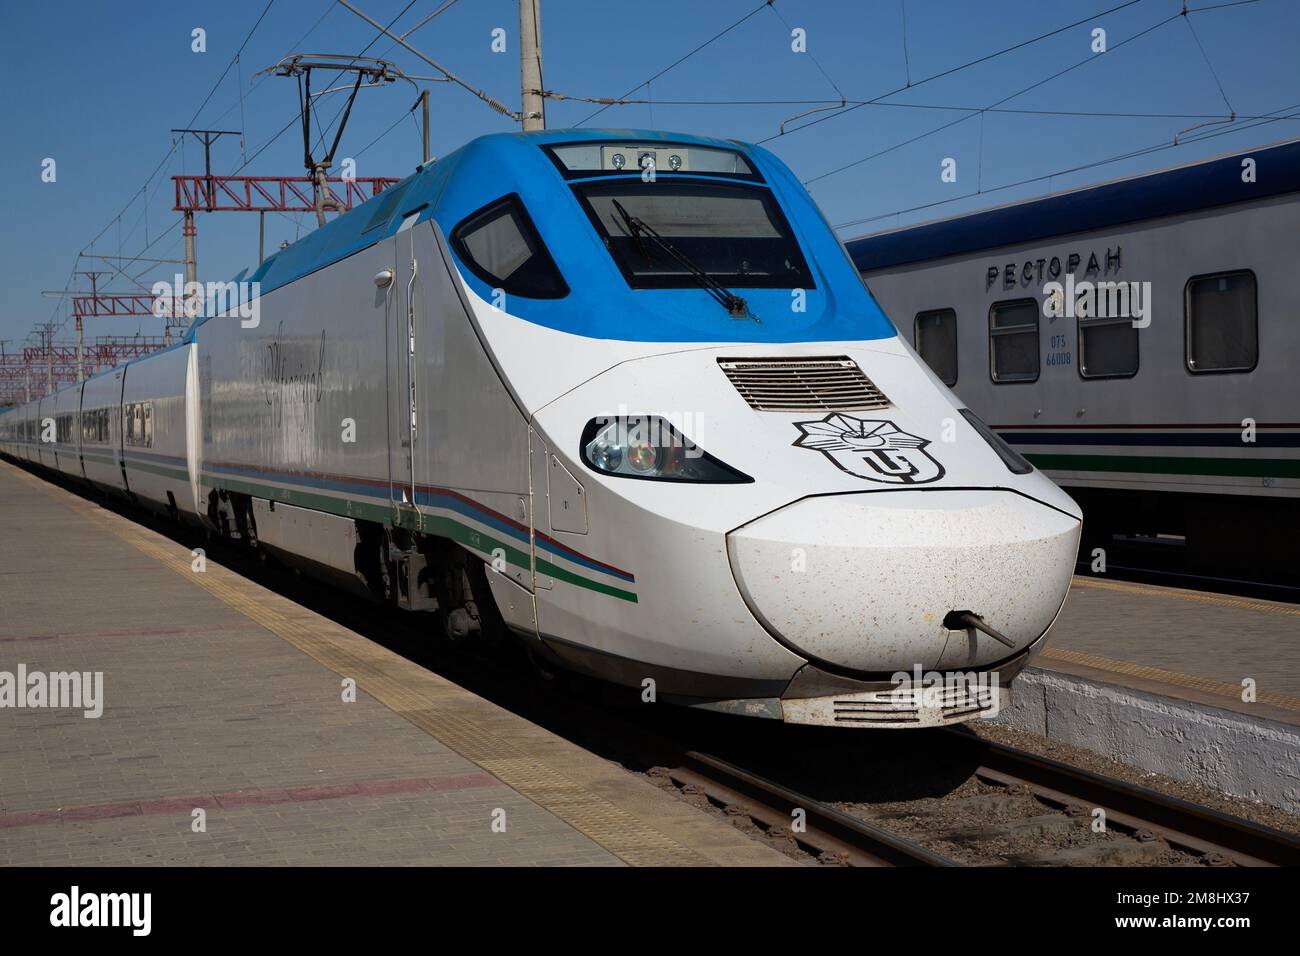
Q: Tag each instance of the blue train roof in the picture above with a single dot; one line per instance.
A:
(489, 167)
(380, 216)
(1201, 185)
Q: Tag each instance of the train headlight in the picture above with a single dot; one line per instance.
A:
(648, 446)
(1014, 461)
(642, 457)
(604, 454)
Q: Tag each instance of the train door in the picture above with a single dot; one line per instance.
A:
(119, 440)
(403, 378)
(79, 429)
(193, 426)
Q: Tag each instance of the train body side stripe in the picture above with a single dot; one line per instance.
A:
(315, 492)
(1171, 465)
(1233, 439)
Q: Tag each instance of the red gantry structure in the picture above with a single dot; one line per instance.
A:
(269, 193)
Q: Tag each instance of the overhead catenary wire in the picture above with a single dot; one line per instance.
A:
(941, 107)
(260, 149)
(391, 47)
(682, 59)
(954, 69)
(1259, 120)
(485, 97)
(158, 168)
(1005, 99)
(1206, 57)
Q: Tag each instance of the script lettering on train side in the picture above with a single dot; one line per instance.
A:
(292, 374)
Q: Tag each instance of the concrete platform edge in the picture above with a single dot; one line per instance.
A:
(1241, 755)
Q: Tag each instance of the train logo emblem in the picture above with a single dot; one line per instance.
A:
(871, 448)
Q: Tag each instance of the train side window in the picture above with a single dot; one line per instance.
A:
(1108, 347)
(1221, 322)
(501, 246)
(148, 423)
(1013, 341)
(936, 340)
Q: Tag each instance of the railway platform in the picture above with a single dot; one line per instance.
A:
(217, 722)
(1198, 641)
(1199, 686)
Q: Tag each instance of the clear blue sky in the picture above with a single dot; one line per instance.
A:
(97, 86)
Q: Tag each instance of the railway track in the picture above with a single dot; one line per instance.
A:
(784, 815)
(1152, 824)
(1147, 815)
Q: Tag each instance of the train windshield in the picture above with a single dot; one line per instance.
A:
(735, 234)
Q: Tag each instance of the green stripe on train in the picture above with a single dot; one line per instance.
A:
(1171, 465)
(437, 524)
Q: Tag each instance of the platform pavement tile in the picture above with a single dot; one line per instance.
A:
(438, 829)
(292, 726)
(179, 664)
(1160, 629)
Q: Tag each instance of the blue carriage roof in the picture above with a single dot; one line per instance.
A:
(1200, 185)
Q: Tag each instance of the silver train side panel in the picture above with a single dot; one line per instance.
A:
(1163, 399)
(157, 466)
(371, 402)
(102, 460)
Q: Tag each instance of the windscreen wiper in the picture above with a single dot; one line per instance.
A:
(734, 304)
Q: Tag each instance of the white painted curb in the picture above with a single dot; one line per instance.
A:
(1243, 756)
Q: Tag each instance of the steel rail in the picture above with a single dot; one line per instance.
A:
(1219, 837)
(827, 830)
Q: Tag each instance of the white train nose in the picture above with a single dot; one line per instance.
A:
(865, 581)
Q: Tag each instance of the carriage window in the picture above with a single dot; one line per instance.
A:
(1013, 341)
(1222, 324)
(1108, 347)
(936, 340)
(134, 424)
(148, 423)
(92, 426)
(501, 247)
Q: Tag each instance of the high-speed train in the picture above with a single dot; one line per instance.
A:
(622, 394)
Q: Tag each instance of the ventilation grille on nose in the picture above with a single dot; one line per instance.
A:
(833, 384)
(907, 707)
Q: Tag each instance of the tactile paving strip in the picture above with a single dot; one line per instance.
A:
(1129, 669)
(1218, 600)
